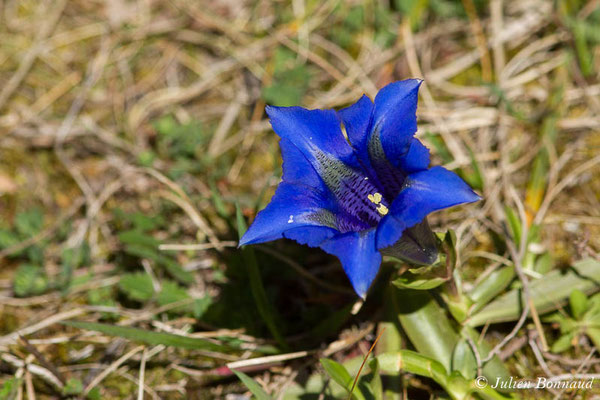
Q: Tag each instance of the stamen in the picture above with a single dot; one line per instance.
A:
(382, 210)
(375, 198)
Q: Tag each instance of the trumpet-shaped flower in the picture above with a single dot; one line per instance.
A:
(363, 195)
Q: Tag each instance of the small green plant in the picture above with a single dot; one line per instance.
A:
(583, 319)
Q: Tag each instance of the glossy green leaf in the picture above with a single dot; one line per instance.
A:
(463, 359)
(494, 284)
(417, 282)
(548, 293)
(375, 384)
(414, 363)
(454, 384)
(418, 312)
(341, 376)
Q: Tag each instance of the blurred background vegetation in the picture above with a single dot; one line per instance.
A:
(134, 147)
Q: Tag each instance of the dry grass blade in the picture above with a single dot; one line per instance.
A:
(363, 363)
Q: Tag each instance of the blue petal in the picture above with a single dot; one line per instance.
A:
(394, 118)
(417, 158)
(357, 121)
(313, 132)
(311, 236)
(291, 207)
(316, 134)
(359, 257)
(296, 168)
(423, 193)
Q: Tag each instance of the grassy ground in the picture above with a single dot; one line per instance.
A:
(130, 130)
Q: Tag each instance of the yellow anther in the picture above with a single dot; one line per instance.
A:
(383, 210)
(375, 198)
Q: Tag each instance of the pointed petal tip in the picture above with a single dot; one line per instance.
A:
(361, 290)
(243, 240)
(274, 112)
(474, 197)
(270, 110)
(364, 97)
(418, 82)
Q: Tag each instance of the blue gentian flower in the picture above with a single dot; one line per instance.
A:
(360, 196)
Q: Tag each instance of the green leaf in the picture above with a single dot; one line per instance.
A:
(171, 292)
(170, 265)
(417, 282)
(594, 335)
(514, 223)
(579, 303)
(200, 306)
(418, 312)
(219, 202)
(337, 372)
(73, 387)
(9, 389)
(375, 384)
(491, 286)
(586, 59)
(137, 286)
(265, 308)
(457, 387)
(473, 177)
(414, 363)
(414, 9)
(494, 368)
(463, 359)
(548, 293)
(149, 337)
(290, 79)
(8, 239)
(72, 258)
(341, 376)
(29, 223)
(29, 280)
(282, 95)
(544, 263)
(252, 386)
(94, 394)
(563, 343)
(137, 237)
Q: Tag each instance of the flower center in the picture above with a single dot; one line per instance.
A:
(363, 201)
(375, 198)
